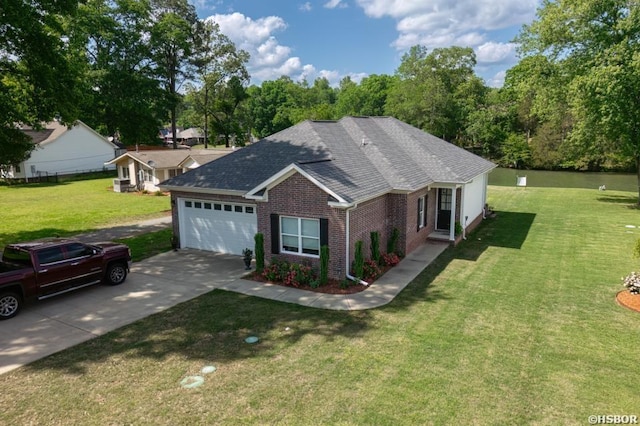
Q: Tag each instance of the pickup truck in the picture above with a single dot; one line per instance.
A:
(45, 268)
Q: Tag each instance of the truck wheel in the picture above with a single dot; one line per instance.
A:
(116, 273)
(10, 305)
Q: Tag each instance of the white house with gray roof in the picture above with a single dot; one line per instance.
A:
(331, 183)
(60, 150)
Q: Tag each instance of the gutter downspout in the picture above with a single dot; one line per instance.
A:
(349, 276)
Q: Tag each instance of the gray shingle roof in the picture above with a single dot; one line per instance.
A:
(355, 157)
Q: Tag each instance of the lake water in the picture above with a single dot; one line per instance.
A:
(589, 180)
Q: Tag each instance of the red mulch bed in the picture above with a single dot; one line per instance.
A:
(628, 300)
(332, 287)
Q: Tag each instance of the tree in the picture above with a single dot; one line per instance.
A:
(595, 44)
(173, 40)
(121, 93)
(37, 80)
(217, 63)
(227, 98)
(427, 93)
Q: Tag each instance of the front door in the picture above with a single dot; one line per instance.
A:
(444, 208)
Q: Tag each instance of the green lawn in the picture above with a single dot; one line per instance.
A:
(517, 325)
(45, 210)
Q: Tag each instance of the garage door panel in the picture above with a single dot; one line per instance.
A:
(229, 230)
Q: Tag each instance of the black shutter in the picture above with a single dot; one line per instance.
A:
(324, 232)
(426, 206)
(418, 227)
(275, 233)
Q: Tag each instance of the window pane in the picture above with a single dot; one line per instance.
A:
(237, 209)
(310, 244)
(187, 204)
(207, 206)
(290, 243)
(198, 205)
(310, 228)
(248, 209)
(227, 208)
(217, 206)
(289, 226)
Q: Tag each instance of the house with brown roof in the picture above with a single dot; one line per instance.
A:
(61, 149)
(331, 183)
(145, 169)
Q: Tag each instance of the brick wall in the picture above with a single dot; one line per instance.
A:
(414, 236)
(298, 197)
(368, 217)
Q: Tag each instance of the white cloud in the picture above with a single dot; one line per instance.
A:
(497, 80)
(306, 7)
(492, 52)
(269, 59)
(444, 23)
(332, 4)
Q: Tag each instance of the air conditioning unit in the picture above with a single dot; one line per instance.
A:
(121, 185)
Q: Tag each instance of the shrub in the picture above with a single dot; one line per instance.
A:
(371, 270)
(259, 247)
(291, 274)
(375, 246)
(324, 265)
(298, 275)
(632, 282)
(390, 259)
(392, 243)
(458, 228)
(276, 271)
(358, 260)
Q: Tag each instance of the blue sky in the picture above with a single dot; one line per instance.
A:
(357, 38)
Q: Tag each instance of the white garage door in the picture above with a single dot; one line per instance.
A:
(217, 226)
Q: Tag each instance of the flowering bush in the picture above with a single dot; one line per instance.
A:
(371, 271)
(291, 274)
(390, 259)
(632, 282)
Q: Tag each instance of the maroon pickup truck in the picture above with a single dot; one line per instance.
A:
(45, 268)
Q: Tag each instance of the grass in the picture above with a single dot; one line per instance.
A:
(517, 325)
(44, 210)
(149, 244)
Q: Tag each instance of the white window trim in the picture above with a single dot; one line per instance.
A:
(299, 236)
(422, 209)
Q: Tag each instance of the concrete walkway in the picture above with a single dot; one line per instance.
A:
(377, 294)
(163, 281)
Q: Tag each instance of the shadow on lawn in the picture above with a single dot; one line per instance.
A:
(212, 327)
(506, 229)
(631, 202)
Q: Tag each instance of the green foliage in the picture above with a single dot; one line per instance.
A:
(324, 265)
(375, 246)
(636, 249)
(515, 151)
(358, 261)
(458, 228)
(392, 242)
(370, 270)
(290, 274)
(594, 46)
(259, 247)
(35, 69)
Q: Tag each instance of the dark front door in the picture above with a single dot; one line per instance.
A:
(444, 208)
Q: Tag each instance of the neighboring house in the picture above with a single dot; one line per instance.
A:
(331, 183)
(190, 137)
(144, 170)
(64, 150)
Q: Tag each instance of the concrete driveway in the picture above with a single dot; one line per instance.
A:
(153, 285)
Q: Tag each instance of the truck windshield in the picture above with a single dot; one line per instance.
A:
(16, 256)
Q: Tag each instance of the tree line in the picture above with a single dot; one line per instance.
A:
(129, 67)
